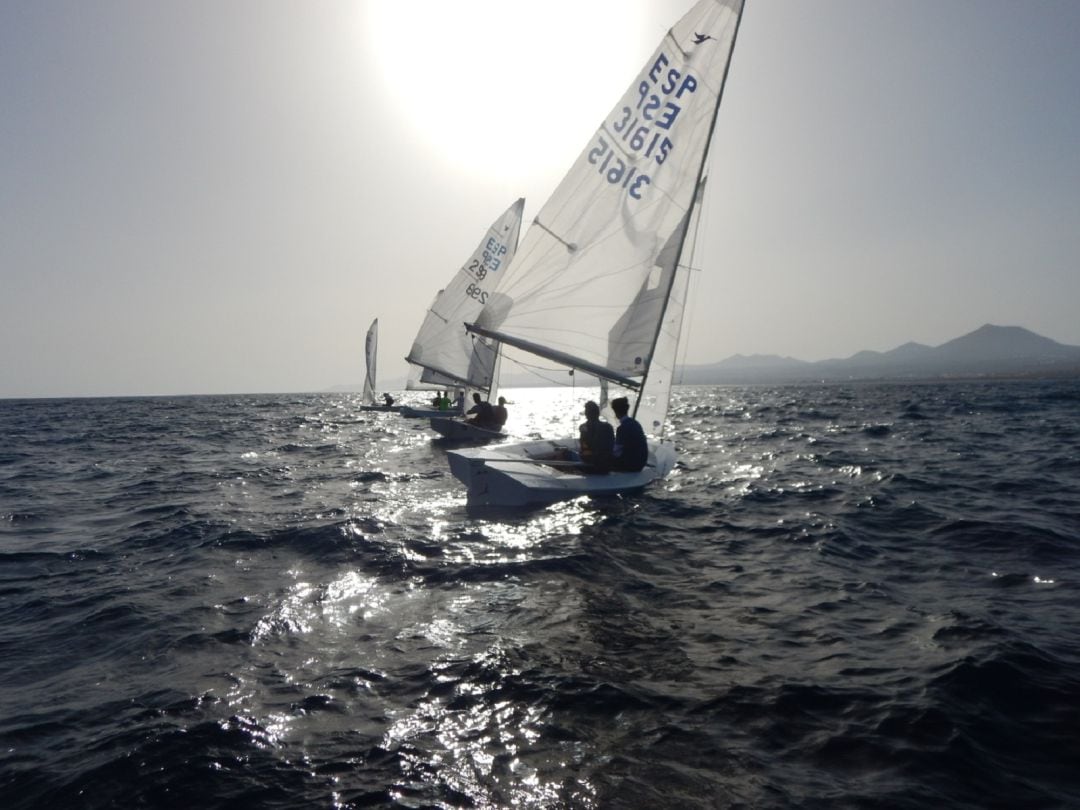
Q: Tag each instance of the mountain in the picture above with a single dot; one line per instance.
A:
(988, 351)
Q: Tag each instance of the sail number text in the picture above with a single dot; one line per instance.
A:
(477, 293)
(642, 130)
(489, 260)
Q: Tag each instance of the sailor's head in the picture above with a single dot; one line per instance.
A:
(592, 410)
(476, 397)
(502, 400)
(621, 406)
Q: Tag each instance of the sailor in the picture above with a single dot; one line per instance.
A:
(631, 451)
(500, 414)
(481, 413)
(595, 441)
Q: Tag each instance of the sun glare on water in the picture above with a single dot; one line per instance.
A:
(491, 84)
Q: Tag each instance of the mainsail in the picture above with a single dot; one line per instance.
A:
(443, 352)
(371, 350)
(598, 282)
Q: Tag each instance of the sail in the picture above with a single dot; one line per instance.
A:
(442, 348)
(591, 282)
(371, 349)
(652, 403)
(432, 379)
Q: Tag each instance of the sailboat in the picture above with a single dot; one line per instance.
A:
(371, 352)
(599, 283)
(443, 353)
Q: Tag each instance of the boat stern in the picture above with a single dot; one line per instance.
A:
(466, 464)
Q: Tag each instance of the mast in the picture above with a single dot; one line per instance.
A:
(693, 199)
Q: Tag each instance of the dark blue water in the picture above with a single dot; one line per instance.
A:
(845, 596)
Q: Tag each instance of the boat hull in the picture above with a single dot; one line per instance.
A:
(426, 413)
(521, 474)
(458, 430)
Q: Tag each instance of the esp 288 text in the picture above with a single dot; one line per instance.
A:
(488, 262)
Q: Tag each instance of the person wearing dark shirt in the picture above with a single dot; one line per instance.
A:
(481, 413)
(500, 414)
(631, 451)
(595, 441)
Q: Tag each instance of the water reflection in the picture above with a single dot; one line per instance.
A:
(427, 653)
(472, 735)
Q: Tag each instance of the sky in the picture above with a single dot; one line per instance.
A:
(219, 197)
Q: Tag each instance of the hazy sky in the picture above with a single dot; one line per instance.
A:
(203, 197)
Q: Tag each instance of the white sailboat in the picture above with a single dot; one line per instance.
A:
(371, 353)
(445, 355)
(599, 282)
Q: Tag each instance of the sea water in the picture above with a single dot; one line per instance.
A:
(844, 596)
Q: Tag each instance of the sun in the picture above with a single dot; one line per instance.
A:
(494, 83)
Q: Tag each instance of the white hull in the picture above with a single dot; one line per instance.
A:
(517, 475)
(458, 430)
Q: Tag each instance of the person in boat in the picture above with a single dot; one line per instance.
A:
(595, 441)
(388, 400)
(459, 401)
(481, 413)
(500, 414)
(435, 400)
(631, 450)
(442, 402)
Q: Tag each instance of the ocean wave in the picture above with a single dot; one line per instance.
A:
(845, 596)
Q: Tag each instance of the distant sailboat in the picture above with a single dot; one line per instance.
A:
(445, 356)
(371, 352)
(600, 281)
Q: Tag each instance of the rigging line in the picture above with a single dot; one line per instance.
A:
(684, 345)
(535, 370)
(692, 283)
